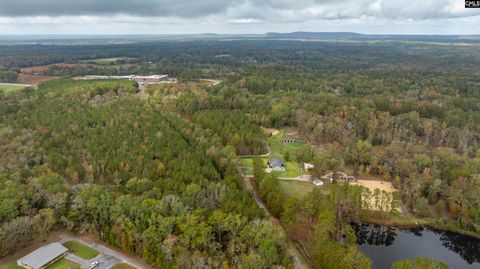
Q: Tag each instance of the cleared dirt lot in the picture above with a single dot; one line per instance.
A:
(376, 184)
(382, 202)
(43, 68)
(34, 79)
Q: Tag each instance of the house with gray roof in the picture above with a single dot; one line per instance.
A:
(276, 164)
(42, 257)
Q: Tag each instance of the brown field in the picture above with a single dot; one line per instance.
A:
(43, 68)
(385, 202)
(34, 79)
(376, 184)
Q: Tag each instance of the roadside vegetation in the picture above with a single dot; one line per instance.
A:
(122, 266)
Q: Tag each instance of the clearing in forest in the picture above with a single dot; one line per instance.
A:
(376, 184)
(278, 150)
(10, 87)
(297, 189)
(378, 201)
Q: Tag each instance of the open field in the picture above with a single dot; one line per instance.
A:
(279, 148)
(123, 266)
(43, 68)
(376, 184)
(292, 169)
(10, 87)
(63, 264)
(34, 79)
(297, 189)
(111, 60)
(81, 250)
(381, 202)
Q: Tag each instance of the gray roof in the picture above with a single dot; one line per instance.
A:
(43, 255)
(275, 162)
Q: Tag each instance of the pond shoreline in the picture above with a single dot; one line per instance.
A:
(386, 244)
(408, 222)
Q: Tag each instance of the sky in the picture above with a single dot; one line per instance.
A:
(121, 17)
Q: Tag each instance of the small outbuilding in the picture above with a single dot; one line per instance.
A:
(276, 164)
(308, 166)
(42, 257)
(347, 177)
(288, 139)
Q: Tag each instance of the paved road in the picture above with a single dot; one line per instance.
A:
(108, 257)
(104, 261)
(74, 258)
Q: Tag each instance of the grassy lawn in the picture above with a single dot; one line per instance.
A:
(106, 60)
(249, 161)
(246, 162)
(81, 250)
(123, 266)
(296, 189)
(11, 87)
(10, 265)
(291, 170)
(248, 171)
(63, 264)
(279, 148)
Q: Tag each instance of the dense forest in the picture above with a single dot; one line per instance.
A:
(153, 170)
(92, 157)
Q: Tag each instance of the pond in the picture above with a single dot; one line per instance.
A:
(387, 244)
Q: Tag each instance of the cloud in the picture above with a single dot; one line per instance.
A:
(232, 15)
(241, 9)
(176, 8)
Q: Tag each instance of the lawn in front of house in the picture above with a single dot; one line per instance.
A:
(297, 189)
(63, 264)
(123, 266)
(292, 169)
(81, 250)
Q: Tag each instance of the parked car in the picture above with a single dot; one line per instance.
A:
(93, 265)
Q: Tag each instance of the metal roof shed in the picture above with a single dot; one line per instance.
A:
(43, 256)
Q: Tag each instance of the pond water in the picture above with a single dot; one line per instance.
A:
(387, 244)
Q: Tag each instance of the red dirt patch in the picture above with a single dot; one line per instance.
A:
(34, 79)
(43, 68)
(31, 69)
